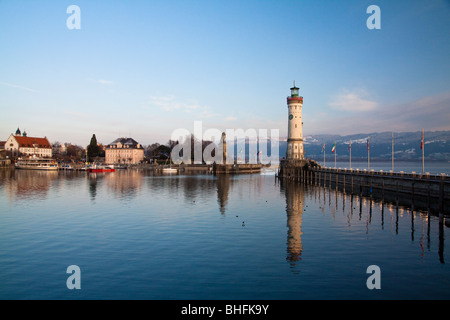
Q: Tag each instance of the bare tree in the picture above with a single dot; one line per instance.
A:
(56, 148)
(150, 150)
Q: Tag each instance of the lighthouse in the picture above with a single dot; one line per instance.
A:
(295, 126)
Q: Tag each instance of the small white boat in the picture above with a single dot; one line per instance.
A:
(169, 170)
(36, 164)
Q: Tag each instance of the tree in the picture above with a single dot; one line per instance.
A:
(93, 149)
(56, 146)
(172, 143)
(101, 150)
(162, 152)
(203, 143)
(75, 152)
(196, 142)
(150, 151)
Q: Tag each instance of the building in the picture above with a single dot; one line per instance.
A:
(124, 151)
(296, 165)
(295, 126)
(21, 144)
(62, 149)
(2, 149)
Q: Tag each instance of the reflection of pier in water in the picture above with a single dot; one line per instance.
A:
(362, 207)
(358, 211)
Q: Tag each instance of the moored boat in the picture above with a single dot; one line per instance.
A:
(100, 168)
(36, 164)
(66, 167)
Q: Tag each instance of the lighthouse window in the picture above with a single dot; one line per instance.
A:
(296, 126)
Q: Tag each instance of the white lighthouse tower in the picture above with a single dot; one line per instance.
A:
(295, 126)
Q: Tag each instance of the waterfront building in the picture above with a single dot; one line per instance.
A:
(2, 149)
(295, 126)
(20, 144)
(62, 149)
(124, 151)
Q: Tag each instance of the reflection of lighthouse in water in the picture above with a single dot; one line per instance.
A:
(294, 208)
(223, 188)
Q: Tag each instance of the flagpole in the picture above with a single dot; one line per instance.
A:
(335, 154)
(323, 155)
(392, 151)
(368, 155)
(350, 148)
(423, 155)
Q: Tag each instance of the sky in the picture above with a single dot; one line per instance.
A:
(143, 69)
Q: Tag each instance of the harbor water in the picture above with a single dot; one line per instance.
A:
(137, 235)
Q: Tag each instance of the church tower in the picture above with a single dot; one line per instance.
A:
(295, 126)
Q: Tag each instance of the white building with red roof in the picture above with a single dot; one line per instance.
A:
(21, 144)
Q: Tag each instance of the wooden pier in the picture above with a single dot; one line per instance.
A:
(242, 168)
(238, 168)
(416, 191)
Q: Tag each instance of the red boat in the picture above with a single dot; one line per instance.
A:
(101, 169)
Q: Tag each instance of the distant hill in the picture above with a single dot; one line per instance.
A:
(406, 146)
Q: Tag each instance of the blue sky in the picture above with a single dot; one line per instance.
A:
(145, 68)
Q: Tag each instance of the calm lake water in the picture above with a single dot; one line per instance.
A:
(139, 236)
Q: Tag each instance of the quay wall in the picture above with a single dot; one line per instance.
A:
(242, 168)
(6, 163)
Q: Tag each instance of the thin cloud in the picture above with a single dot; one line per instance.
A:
(431, 113)
(170, 103)
(18, 87)
(428, 113)
(352, 101)
(105, 82)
